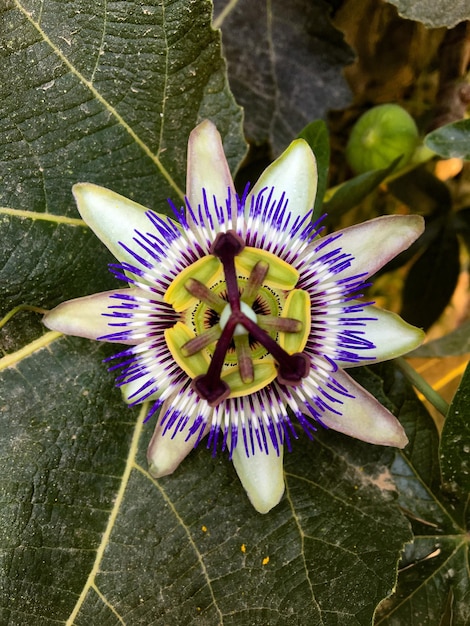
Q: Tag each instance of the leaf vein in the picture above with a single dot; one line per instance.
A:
(302, 549)
(100, 98)
(10, 360)
(432, 497)
(189, 536)
(422, 584)
(106, 602)
(165, 85)
(90, 583)
(101, 46)
(332, 495)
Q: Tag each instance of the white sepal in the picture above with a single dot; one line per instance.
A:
(375, 242)
(207, 167)
(113, 218)
(84, 317)
(390, 334)
(165, 452)
(293, 173)
(261, 475)
(363, 417)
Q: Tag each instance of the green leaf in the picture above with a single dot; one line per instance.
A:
(433, 579)
(285, 62)
(423, 192)
(431, 280)
(455, 441)
(453, 344)
(88, 537)
(45, 259)
(353, 191)
(107, 93)
(433, 14)
(61, 469)
(316, 135)
(451, 140)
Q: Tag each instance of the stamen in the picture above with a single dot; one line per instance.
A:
(280, 324)
(227, 245)
(245, 364)
(201, 292)
(255, 280)
(292, 367)
(201, 341)
(210, 386)
(213, 391)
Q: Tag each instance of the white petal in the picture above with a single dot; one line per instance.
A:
(165, 452)
(364, 418)
(261, 475)
(207, 166)
(375, 242)
(112, 217)
(293, 173)
(83, 317)
(390, 334)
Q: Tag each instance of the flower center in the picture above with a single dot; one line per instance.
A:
(243, 323)
(239, 328)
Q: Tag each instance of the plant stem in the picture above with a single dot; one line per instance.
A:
(17, 309)
(424, 387)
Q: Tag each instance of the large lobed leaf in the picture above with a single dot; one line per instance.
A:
(108, 92)
(433, 583)
(455, 443)
(434, 13)
(89, 537)
(285, 63)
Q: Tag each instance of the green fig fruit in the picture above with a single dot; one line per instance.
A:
(380, 136)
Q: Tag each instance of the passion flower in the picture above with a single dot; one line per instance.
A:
(238, 317)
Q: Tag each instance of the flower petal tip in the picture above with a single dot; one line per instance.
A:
(85, 317)
(417, 223)
(402, 440)
(262, 477)
(156, 471)
(391, 434)
(166, 451)
(206, 127)
(207, 167)
(295, 174)
(364, 417)
(73, 317)
(112, 217)
(375, 242)
(412, 227)
(392, 336)
(262, 504)
(164, 462)
(388, 432)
